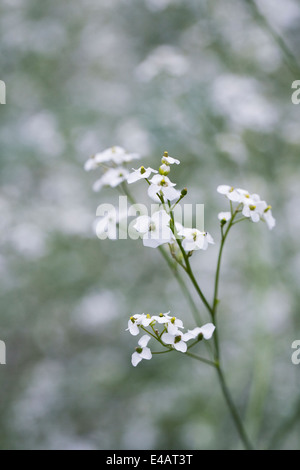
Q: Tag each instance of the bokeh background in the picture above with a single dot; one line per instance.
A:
(209, 81)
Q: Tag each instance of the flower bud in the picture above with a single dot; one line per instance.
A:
(164, 169)
(184, 192)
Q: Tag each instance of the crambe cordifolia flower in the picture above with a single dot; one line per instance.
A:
(116, 155)
(193, 239)
(224, 216)
(156, 230)
(167, 160)
(112, 177)
(172, 323)
(228, 191)
(140, 173)
(176, 339)
(162, 185)
(135, 321)
(253, 207)
(142, 351)
(206, 331)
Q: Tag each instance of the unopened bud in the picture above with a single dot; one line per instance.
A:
(184, 192)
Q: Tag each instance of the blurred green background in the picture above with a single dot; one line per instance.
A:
(209, 81)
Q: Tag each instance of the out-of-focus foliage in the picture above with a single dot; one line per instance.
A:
(209, 81)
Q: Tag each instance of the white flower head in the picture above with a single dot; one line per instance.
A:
(162, 185)
(156, 229)
(253, 207)
(206, 331)
(193, 239)
(140, 173)
(112, 177)
(115, 154)
(142, 351)
(167, 160)
(162, 318)
(135, 321)
(176, 339)
(224, 216)
(229, 192)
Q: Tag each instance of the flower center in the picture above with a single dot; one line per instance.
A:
(252, 208)
(139, 350)
(177, 339)
(268, 208)
(143, 170)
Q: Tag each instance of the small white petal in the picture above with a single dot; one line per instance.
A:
(135, 359)
(207, 330)
(224, 216)
(146, 354)
(144, 340)
(180, 346)
(167, 338)
(142, 224)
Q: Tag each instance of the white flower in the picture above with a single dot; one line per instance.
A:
(155, 229)
(205, 330)
(194, 239)
(224, 216)
(268, 217)
(253, 207)
(135, 321)
(162, 318)
(140, 173)
(112, 177)
(116, 155)
(172, 323)
(142, 352)
(176, 339)
(167, 160)
(162, 185)
(228, 191)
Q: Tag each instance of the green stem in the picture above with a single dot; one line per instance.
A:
(201, 359)
(232, 408)
(221, 377)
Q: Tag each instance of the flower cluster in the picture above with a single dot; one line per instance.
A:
(112, 161)
(250, 205)
(159, 229)
(170, 337)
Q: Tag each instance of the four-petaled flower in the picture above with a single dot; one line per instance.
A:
(162, 185)
(135, 321)
(193, 239)
(156, 229)
(112, 177)
(116, 155)
(140, 173)
(224, 216)
(206, 331)
(142, 351)
(230, 192)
